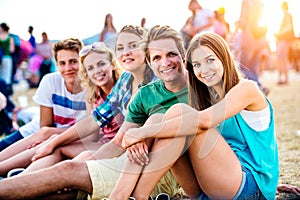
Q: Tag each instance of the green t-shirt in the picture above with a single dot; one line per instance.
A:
(153, 98)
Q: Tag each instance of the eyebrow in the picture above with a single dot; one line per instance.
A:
(210, 55)
(128, 43)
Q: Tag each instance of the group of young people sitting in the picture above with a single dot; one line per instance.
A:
(149, 118)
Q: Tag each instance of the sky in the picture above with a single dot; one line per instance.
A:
(81, 19)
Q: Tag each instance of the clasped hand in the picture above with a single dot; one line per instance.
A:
(136, 148)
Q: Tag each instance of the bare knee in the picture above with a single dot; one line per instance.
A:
(155, 118)
(45, 133)
(178, 110)
(68, 166)
(76, 174)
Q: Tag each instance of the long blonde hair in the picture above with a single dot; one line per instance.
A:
(92, 89)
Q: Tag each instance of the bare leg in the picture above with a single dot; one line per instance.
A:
(45, 162)
(216, 166)
(161, 161)
(185, 176)
(126, 181)
(22, 159)
(22, 145)
(67, 174)
(131, 173)
(65, 152)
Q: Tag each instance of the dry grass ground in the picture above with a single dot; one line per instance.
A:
(286, 102)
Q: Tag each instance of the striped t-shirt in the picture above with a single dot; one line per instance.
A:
(68, 108)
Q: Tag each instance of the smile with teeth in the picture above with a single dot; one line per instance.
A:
(208, 77)
(100, 77)
(128, 60)
(167, 70)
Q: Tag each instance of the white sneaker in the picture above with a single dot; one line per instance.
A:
(15, 171)
(162, 196)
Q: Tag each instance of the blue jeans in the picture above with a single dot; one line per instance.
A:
(10, 139)
(248, 189)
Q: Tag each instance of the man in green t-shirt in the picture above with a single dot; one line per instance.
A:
(165, 55)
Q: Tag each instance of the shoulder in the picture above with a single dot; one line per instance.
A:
(249, 91)
(54, 76)
(125, 75)
(246, 83)
(124, 79)
(53, 79)
(246, 89)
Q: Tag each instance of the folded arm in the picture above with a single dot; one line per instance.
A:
(183, 120)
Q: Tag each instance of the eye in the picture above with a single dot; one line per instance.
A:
(62, 63)
(73, 61)
(101, 64)
(156, 58)
(172, 54)
(196, 65)
(133, 45)
(120, 48)
(89, 68)
(210, 60)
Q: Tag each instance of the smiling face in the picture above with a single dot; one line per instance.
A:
(99, 70)
(68, 66)
(165, 60)
(129, 55)
(207, 66)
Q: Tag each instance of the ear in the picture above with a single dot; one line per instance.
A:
(147, 61)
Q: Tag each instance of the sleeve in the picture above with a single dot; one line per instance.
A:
(136, 109)
(114, 102)
(43, 94)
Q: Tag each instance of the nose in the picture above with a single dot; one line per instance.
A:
(97, 69)
(165, 61)
(126, 51)
(69, 66)
(201, 70)
(204, 69)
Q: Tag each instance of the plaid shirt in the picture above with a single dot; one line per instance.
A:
(115, 102)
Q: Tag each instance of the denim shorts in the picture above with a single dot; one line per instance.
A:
(248, 189)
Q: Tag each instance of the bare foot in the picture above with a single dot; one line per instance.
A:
(287, 188)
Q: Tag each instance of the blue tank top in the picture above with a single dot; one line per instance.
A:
(256, 150)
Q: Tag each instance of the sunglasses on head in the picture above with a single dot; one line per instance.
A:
(93, 47)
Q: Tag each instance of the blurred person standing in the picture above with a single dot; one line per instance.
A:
(143, 22)
(109, 32)
(32, 40)
(15, 56)
(44, 49)
(284, 38)
(252, 39)
(202, 19)
(222, 27)
(7, 48)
